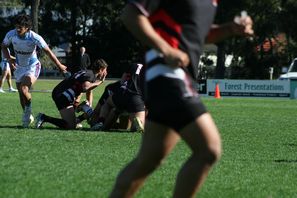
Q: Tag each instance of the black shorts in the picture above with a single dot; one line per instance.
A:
(61, 101)
(169, 103)
(126, 101)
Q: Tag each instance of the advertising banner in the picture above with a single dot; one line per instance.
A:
(201, 87)
(250, 88)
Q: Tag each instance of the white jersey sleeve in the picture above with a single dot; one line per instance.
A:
(38, 40)
(8, 38)
(25, 47)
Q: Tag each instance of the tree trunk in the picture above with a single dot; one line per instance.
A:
(220, 68)
(34, 14)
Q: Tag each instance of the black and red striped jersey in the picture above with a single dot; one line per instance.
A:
(184, 24)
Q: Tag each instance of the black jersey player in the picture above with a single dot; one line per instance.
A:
(175, 32)
(65, 93)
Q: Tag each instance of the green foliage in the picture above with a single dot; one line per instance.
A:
(46, 62)
(259, 153)
(96, 25)
(11, 3)
(271, 17)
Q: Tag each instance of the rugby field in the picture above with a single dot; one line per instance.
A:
(259, 153)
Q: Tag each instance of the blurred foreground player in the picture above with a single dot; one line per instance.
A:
(175, 31)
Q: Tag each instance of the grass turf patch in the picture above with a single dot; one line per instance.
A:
(259, 152)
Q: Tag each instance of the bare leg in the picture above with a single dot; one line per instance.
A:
(8, 77)
(203, 138)
(24, 90)
(138, 121)
(25, 99)
(3, 77)
(21, 96)
(140, 115)
(158, 141)
(77, 100)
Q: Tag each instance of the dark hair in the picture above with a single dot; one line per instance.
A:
(98, 64)
(23, 20)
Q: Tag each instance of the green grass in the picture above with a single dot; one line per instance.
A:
(259, 153)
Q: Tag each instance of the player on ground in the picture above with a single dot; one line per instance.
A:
(128, 98)
(109, 90)
(65, 93)
(27, 66)
(124, 96)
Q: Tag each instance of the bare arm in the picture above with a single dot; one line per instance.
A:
(10, 59)
(218, 33)
(55, 59)
(5, 51)
(89, 97)
(88, 86)
(142, 29)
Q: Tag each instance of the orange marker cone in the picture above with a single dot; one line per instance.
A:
(217, 91)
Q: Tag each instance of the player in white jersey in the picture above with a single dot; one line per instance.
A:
(27, 66)
(6, 74)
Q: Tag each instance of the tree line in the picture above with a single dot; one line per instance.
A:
(96, 25)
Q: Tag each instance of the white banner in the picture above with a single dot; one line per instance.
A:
(252, 88)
